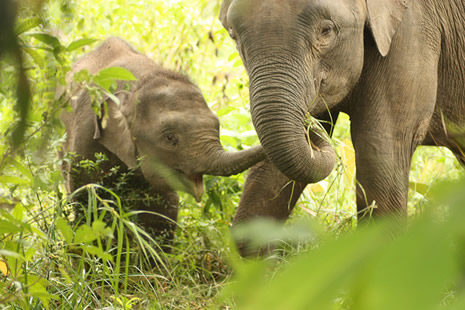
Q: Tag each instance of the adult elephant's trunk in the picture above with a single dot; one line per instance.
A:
(224, 163)
(280, 97)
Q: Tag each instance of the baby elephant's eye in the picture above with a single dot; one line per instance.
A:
(171, 139)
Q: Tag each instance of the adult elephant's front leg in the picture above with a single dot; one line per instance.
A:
(267, 194)
(391, 109)
(386, 129)
(382, 178)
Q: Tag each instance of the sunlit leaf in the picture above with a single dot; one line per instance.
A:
(419, 188)
(18, 212)
(224, 111)
(79, 43)
(11, 254)
(65, 229)
(7, 227)
(46, 38)
(84, 234)
(29, 254)
(5, 179)
(28, 24)
(113, 98)
(106, 77)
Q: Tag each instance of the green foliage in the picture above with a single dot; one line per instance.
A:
(376, 267)
(106, 260)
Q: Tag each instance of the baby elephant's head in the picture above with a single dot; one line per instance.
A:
(165, 122)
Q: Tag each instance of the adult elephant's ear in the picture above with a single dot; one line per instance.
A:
(114, 134)
(224, 13)
(384, 17)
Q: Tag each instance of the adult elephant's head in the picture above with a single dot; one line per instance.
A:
(164, 121)
(303, 56)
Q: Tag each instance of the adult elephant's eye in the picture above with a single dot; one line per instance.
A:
(326, 34)
(326, 31)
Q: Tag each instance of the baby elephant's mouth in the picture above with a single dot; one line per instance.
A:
(197, 187)
(191, 184)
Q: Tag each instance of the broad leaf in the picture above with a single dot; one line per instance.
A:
(79, 43)
(84, 234)
(62, 225)
(46, 38)
(28, 24)
(6, 179)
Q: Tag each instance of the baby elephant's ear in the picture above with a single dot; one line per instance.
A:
(384, 17)
(114, 133)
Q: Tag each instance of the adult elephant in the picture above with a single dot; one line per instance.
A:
(397, 67)
(160, 127)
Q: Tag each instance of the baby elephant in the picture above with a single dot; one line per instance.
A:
(161, 128)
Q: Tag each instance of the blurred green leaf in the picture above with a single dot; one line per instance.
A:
(225, 111)
(22, 168)
(80, 43)
(10, 253)
(315, 279)
(101, 229)
(7, 227)
(108, 77)
(28, 24)
(38, 59)
(30, 254)
(65, 229)
(377, 267)
(5, 179)
(46, 38)
(115, 100)
(419, 188)
(37, 290)
(18, 212)
(115, 73)
(84, 234)
(264, 232)
(98, 252)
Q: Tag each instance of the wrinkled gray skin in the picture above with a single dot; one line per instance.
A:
(267, 194)
(162, 119)
(397, 67)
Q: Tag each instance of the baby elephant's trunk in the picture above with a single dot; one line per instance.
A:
(223, 163)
